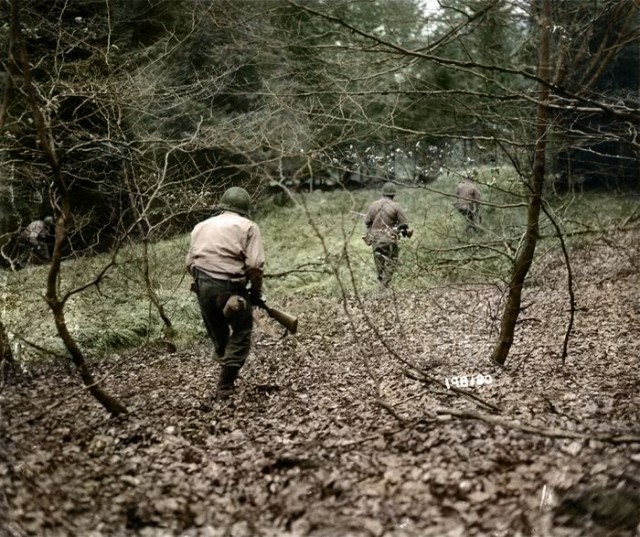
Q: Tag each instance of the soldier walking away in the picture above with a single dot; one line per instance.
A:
(35, 241)
(467, 202)
(225, 256)
(385, 222)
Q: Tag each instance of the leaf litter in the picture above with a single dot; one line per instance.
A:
(348, 429)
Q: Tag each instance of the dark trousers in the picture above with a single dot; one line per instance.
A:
(231, 338)
(385, 257)
(472, 216)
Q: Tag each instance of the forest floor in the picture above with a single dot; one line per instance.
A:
(348, 429)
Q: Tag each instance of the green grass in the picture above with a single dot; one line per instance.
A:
(307, 244)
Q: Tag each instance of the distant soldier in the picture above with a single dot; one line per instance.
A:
(468, 202)
(36, 239)
(225, 255)
(385, 222)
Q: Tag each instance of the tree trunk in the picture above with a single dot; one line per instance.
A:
(45, 139)
(524, 258)
(113, 406)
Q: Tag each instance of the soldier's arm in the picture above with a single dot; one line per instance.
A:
(188, 260)
(370, 216)
(401, 218)
(255, 259)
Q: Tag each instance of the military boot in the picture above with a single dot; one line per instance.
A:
(226, 381)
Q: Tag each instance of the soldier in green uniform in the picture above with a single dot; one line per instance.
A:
(225, 256)
(467, 202)
(385, 222)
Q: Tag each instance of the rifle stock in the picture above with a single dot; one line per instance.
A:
(288, 321)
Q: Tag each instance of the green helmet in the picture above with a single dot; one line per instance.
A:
(389, 189)
(236, 199)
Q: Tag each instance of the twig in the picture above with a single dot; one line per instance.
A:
(572, 297)
(300, 270)
(43, 350)
(384, 434)
(593, 231)
(553, 409)
(289, 272)
(520, 363)
(550, 432)
(630, 218)
(391, 411)
(464, 393)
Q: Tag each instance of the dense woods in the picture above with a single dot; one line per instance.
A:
(143, 96)
(125, 120)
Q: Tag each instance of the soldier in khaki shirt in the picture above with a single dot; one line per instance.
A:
(225, 255)
(385, 221)
(468, 202)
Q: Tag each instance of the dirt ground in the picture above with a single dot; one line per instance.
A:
(348, 429)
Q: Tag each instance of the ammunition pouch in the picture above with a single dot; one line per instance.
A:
(234, 306)
(231, 304)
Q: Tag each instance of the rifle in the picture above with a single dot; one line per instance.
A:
(288, 321)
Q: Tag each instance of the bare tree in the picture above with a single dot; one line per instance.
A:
(44, 136)
(524, 258)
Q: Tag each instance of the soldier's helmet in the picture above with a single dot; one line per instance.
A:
(48, 220)
(236, 199)
(389, 189)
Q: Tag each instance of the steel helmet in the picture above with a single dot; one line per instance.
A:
(389, 189)
(236, 199)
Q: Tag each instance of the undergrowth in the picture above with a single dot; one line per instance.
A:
(314, 248)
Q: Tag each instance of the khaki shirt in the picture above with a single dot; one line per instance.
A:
(382, 218)
(36, 230)
(226, 247)
(467, 196)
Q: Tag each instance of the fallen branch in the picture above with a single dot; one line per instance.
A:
(391, 411)
(572, 296)
(550, 432)
(472, 397)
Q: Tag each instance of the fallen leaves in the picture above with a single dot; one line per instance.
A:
(303, 448)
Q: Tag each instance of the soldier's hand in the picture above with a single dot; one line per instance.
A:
(405, 231)
(255, 297)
